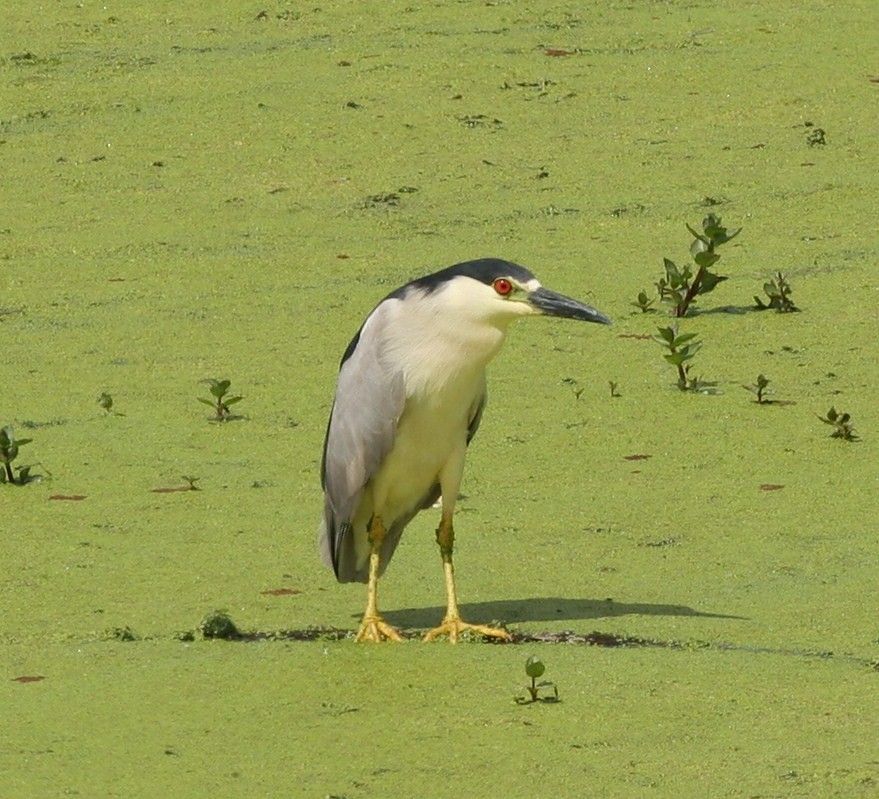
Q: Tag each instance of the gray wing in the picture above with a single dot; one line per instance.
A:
(363, 422)
(476, 418)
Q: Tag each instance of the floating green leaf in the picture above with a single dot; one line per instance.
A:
(534, 667)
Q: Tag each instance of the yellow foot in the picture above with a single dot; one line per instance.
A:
(454, 627)
(375, 628)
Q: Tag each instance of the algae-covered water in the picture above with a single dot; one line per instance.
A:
(196, 192)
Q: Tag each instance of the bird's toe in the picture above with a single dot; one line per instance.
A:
(454, 628)
(375, 628)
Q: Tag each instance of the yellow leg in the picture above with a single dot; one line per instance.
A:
(452, 624)
(374, 627)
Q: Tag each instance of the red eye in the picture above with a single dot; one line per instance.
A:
(502, 286)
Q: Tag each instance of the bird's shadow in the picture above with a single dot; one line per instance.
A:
(551, 608)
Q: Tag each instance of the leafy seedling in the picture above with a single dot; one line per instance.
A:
(191, 481)
(123, 634)
(759, 389)
(219, 624)
(9, 445)
(778, 290)
(220, 402)
(575, 386)
(682, 348)
(841, 424)
(643, 302)
(614, 389)
(681, 285)
(534, 668)
(816, 137)
(105, 400)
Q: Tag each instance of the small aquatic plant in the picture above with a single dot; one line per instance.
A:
(778, 291)
(191, 482)
(9, 446)
(816, 137)
(842, 425)
(105, 400)
(759, 389)
(644, 303)
(219, 624)
(123, 634)
(681, 285)
(682, 348)
(220, 402)
(534, 668)
(575, 386)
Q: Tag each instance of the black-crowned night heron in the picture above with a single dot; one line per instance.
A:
(410, 394)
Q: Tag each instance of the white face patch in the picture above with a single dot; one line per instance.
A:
(510, 288)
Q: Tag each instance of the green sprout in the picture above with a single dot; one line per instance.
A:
(816, 137)
(682, 348)
(680, 286)
(759, 389)
(778, 290)
(534, 668)
(614, 389)
(575, 386)
(123, 634)
(192, 482)
(105, 400)
(220, 403)
(644, 302)
(841, 424)
(9, 445)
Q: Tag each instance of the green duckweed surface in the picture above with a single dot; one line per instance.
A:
(195, 192)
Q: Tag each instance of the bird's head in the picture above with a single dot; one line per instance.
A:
(496, 292)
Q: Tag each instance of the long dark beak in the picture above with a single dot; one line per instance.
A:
(553, 304)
